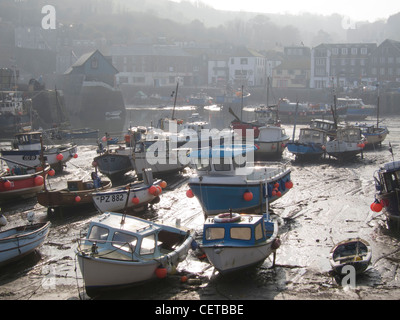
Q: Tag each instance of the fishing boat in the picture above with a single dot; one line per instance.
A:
(114, 163)
(271, 142)
(347, 143)
(227, 178)
(121, 250)
(309, 145)
(136, 195)
(21, 183)
(354, 109)
(18, 242)
(77, 194)
(387, 186)
(27, 152)
(354, 252)
(234, 241)
(373, 135)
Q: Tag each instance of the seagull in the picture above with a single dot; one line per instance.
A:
(3, 220)
(31, 216)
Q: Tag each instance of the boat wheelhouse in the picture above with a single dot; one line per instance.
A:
(235, 241)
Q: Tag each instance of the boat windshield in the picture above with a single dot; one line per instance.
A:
(124, 241)
(98, 233)
(392, 180)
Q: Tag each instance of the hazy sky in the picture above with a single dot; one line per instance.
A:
(355, 9)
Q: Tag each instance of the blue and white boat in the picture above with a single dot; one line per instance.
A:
(235, 241)
(227, 179)
(27, 151)
(310, 144)
(373, 134)
(387, 186)
(18, 242)
(354, 109)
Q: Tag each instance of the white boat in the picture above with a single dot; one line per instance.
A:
(235, 241)
(122, 250)
(17, 242)
(27, 150)
(271, 142)
(136, 195)
(347, 143)
(373, 135)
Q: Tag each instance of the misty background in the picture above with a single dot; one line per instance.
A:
(130, 21)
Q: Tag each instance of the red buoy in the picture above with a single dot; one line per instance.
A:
(248, 196)
(59, 157)
(189, 193)
(135, 200)
(161, 272)
(38, 180)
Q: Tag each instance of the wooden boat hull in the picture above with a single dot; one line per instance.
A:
(66, 198)
(18, 242)
(352, 252)
(22, 186)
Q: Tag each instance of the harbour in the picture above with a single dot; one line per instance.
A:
(329, 202)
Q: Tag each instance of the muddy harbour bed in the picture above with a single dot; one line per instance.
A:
(330, 202)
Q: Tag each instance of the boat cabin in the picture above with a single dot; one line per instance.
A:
(271, 133)
(27, 141)
(388, 177)
(349, 134)
(243, 230)
(221, 160)
(116, 237)
(326, 125)
(308, 135)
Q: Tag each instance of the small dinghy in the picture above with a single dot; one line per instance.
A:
(15, 243)
(354, 252)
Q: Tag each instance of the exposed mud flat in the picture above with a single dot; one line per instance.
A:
(330, 201)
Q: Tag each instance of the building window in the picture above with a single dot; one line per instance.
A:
(95, 63)
(243, 61)
(364, 51)
(354, 51)
(335, 51)
(344, 50)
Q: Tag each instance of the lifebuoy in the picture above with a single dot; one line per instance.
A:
(227, 217)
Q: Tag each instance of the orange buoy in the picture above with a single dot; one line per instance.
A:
(189, 193)
(248, 196)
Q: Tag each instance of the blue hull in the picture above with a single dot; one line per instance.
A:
(217, 198)
(305, 150)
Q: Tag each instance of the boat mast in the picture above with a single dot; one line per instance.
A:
(176, 94)
(295, 120)
(241, 110)
(377, 108)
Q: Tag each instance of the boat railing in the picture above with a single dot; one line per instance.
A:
(266, 170)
